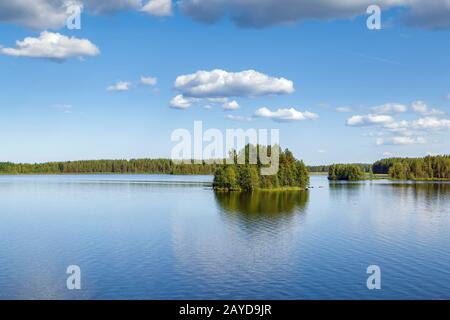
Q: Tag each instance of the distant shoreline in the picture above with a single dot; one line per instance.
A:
(376, 176)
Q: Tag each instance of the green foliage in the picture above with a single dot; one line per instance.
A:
(226, 178)
(248, 177)
(366, 167)
(348, 172)
(162, 166)
(428, 168)
(291, 172)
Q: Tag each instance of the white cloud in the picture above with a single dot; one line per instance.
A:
(231, 105)
(51, 14)
(52, 46)
(401, 127)
(428, 14)
(321, 151)
(390, 108)
(44, 14)
(431, 123)
(180, 102)
(422, 108)
(388, 154)
(238, 118)
(262, 13)
(110, 6)
(160, 8)
(150, 81)
(400, 141)
(288, 114)
(369, 120)
(219, 84)
(343, 109)
(419, 106)
(36, 14)
(119, 86)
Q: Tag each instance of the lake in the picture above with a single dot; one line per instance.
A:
(172, 237)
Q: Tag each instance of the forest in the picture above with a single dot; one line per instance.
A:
(292, 173)
(366, 167)
(350, 172)
(427, 168)
(150, 166)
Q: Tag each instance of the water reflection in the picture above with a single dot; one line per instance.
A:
(265, 204)
(348, 190)
(424, 196)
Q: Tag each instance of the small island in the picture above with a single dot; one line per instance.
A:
(349, 172)
(292, 173)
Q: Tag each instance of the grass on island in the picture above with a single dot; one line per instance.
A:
(277, 189)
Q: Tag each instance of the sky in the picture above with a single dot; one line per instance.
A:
(137, 70)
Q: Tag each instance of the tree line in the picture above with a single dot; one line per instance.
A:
(291, 173)
(150, 166)
(430, 167)
(427, 168)
(366, 167)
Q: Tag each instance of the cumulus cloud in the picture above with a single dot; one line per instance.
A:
(429, 14)
(369, 120)
(406, 128)
(45, 14)
(149, 81)
(106, 7)
(238, 118)
(37, 14)
(262, 13)
(287, 114)
(400, 141)
(119, 86)
(431, 123)
(52, 14)
(53, 46)
(231, 105)
(180, 102)
(220, 83)
(398, 126)
(390, 108)
(422, 108)
(159, 8)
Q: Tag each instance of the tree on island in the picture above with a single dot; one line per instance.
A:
(348, 172)
(292, 173)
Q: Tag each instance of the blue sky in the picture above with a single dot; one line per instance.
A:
(375, 93)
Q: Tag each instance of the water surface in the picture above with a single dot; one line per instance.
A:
(171, 237)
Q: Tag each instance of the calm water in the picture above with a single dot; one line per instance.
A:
(151, 236)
